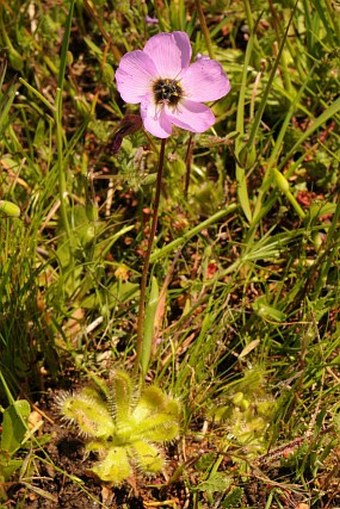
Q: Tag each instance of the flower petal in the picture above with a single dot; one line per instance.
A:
(205, 80)
(154, 118)
(171, 53)
(135, 73)
(190, 115)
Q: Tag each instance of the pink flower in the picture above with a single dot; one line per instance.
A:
(169, 89)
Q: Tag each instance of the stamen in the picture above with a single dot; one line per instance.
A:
(167, 91)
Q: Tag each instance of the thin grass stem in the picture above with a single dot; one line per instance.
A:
(59, 127)
(61, 169)
(204, 27)
(242, 191)
(37, 94)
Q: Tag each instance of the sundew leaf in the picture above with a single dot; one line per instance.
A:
(121, 391)
(14, 425)
(159, 428)
(156, 416)
(152, 401)
(90, 414)
(147, 456)
(114, 467)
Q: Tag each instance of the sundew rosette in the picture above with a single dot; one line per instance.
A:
(125, 426)
(168, 87)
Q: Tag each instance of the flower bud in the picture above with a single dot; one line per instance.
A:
(267, 312)
(317, 240)
(69, 58)
(9, 209)
(281, 181)
(247, 156)
(237, 398)
(107, 74)
(15, 59)
(91, 212)
(87, 234)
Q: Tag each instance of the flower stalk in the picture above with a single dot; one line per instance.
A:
(145, 273)
(171, 91)
(188, 158)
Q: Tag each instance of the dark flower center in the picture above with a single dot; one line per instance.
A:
(167, 91)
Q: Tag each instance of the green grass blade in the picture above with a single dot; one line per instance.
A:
(330, 112)
(149, 324)
(64, 47)
(37, 94)
(6, 101)
(175, 244)
(242, 191)
(264, 100)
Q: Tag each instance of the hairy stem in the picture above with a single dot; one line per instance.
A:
(188, 157)
(145, 273)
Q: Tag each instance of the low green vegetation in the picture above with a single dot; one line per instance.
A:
(239, 407)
